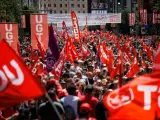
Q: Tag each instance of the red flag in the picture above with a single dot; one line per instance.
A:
(137, 100)
(158, 46)
(17, 83)
(39, 45)
(18, 49)
(71, 52)
(143, 16)
(23, 21)
(143, 64)
(65, 33)
(131, 18)
(116, 70)
(75, 26)
(58, 67)
(156, 65)
(134, 69)
(84, 51)
(102, 54)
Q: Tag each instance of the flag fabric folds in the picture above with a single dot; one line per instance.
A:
(75, 26)
(17, 83)
(136, 100)
(53, 50)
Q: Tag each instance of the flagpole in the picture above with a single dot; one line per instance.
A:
(54, 107)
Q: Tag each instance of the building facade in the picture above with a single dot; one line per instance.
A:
(31, 3)
(119, 5)
(63, 6)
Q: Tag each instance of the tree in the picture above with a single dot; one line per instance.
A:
(155, 4)
(123, 27)
(10, 10)
(27, 12)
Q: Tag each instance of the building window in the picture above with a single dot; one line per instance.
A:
(72, 5)
(50, 11)
(54, 11)
(78, 5)
(83, 5)
(61, 12)
(65, 11)
(44, 5)
(54, 5)
(49, 5)
(65, 5)
(60, 5)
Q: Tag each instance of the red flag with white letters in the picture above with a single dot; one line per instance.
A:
(102, 54)
(17, 83)
(39, 27)
(57, 70)
(137, 100)
(156, 65)
(134, 69)
(9, 32)
(75, 26)
(84, 51)
(40, 47)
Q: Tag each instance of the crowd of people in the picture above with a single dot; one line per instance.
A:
(78, 94)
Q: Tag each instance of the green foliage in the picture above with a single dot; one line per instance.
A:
(13, 10)
(108, 26)
(156, 4)
(27, 12)
(123, 27)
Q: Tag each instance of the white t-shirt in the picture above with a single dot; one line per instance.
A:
(72, 101)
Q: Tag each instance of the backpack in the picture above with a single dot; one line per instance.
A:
(69, 113)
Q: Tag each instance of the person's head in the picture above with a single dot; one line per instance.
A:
(104, 71)
(71, 89)
(90, 75)
(52, 95)
(76, 63)
(65, 75)
(68, 65)
(85, 110)
(63, 84)
(90, 67)
(81, 85)
(79, 74)
(89, 90)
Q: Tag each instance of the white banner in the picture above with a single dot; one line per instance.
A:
(93, 19)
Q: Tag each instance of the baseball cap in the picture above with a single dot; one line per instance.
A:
(85, 108)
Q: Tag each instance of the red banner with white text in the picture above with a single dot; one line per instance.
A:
(143, 16)
(131, 17)
(16, 82)
(23, 21)
(75, 27)
(156, 18)
(39, 28)
(137, 100)
(9, 32)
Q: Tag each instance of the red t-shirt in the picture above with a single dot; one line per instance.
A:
(92, 101)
